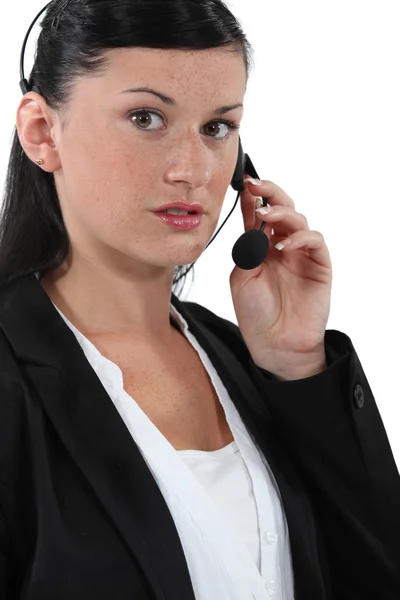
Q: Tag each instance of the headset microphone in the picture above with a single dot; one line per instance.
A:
(251, 249)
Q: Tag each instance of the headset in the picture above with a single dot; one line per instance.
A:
(252, 247)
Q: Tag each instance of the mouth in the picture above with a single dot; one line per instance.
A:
(180, 219)
(175, 211)
(180, 209)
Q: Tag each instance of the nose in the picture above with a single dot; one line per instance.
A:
(189, 163)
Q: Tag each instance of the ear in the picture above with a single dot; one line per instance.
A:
(37, 127)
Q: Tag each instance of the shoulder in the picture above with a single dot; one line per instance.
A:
(200, 312)
(210, 319)
(228, 332)
(10, 378)
(11, 412)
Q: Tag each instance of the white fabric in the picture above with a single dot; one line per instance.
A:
(225, 504)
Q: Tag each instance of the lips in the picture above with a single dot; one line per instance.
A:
(191, 208)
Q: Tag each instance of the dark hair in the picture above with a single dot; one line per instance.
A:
(74, 39)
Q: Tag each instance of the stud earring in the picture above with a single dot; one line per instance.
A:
(40, 162)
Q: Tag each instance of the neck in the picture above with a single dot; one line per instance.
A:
(101, 304)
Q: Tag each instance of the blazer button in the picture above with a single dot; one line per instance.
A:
(271, 537)
(358, 396)
(272, 588)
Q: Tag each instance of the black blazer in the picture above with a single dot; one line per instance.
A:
(82, 517)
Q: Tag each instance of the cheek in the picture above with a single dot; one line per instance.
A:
(100, 175)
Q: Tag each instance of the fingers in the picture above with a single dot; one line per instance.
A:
(286, 222)
(284, 219)
(271, 191)
(283, 216)
(314, 243)
(248, 206)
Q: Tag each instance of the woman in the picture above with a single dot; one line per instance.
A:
(149, 448)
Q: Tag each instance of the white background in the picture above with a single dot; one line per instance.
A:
(322, 121)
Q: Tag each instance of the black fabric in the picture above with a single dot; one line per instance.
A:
(82, 517)
(174, 324)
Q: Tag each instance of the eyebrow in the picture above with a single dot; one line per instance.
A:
(171, 102)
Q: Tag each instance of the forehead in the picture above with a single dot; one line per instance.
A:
(206, 72)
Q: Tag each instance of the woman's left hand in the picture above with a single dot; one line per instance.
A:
(282, 306)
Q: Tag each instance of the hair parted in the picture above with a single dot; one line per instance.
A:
(75, 36)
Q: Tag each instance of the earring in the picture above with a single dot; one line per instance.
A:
(40, 162)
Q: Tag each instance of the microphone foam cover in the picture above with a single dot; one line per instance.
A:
(250, 249)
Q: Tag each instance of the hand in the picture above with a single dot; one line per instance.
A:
(282, 306)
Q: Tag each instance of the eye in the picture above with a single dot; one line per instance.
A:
(142, 118)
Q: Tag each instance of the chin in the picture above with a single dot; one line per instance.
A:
(182, 254)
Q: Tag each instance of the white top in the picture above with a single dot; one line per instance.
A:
(225, 504)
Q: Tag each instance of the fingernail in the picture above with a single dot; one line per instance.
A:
(259, 202)
(264, 210)
(282, 244)
(253, 181)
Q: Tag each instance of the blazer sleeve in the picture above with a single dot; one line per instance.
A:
(332, 428)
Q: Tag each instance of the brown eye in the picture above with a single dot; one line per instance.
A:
(141, 117)
(214, 126)
(141, 120)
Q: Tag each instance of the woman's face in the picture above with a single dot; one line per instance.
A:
(117, 168)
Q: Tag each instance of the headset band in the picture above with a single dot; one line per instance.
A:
(23, 84)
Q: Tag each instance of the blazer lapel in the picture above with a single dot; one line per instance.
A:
(95, 435)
